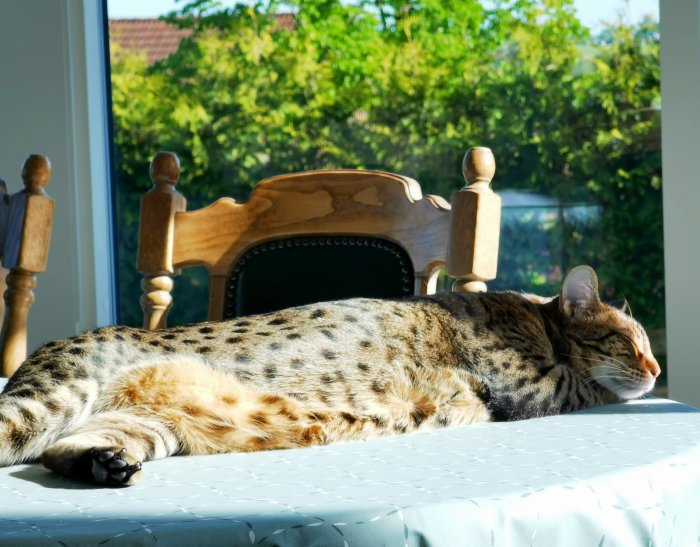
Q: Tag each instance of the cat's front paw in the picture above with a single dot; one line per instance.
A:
(112, 467)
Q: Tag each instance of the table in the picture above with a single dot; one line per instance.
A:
(625, 474)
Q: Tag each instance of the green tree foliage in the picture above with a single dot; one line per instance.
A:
(405, 86)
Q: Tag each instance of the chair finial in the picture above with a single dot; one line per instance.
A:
(475, 221)
(165, 170)
(36, 173)
(478, 166)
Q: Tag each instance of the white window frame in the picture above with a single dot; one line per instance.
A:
(680, 134)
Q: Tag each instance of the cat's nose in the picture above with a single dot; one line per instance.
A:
(650, 365)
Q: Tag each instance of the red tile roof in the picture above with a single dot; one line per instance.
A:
(285, 21)
(158, 39)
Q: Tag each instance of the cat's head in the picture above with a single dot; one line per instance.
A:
(612, 348)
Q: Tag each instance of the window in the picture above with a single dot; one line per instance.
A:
(572, 115)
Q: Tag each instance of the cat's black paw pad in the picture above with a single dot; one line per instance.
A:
(113, 468)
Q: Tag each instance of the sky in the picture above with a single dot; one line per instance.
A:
(591, 12)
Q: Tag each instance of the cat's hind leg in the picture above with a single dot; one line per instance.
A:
(109, 448)
(211, 412)
(178, 406)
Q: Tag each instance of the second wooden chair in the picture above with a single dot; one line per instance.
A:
(25, 235)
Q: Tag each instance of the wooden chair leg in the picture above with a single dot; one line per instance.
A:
(19, 298)
(156, 301)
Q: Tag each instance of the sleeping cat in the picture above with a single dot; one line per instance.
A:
(95, 406)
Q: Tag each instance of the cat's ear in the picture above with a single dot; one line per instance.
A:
(579, 291)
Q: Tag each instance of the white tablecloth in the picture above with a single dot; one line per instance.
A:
(622, 475)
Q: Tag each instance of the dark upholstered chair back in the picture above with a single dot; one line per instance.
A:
(316, 269)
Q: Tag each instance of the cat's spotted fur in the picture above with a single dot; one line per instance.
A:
(93, 407)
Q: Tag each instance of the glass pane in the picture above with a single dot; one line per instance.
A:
(570, 110)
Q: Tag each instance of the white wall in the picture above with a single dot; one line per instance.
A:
(52, 102)
(680, 91)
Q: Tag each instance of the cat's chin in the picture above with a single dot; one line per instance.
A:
(624, 388)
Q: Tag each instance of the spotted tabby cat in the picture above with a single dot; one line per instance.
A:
(95, 406)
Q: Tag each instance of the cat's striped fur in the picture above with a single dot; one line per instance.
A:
(93, 407)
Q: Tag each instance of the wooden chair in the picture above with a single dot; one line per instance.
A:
(25, 235)
(317, 235)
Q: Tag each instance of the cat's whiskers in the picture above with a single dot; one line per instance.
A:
(612, 373)
(608, 372)
(593, 380)
(609, 361)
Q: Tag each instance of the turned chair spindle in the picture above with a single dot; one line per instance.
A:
(156, 232)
